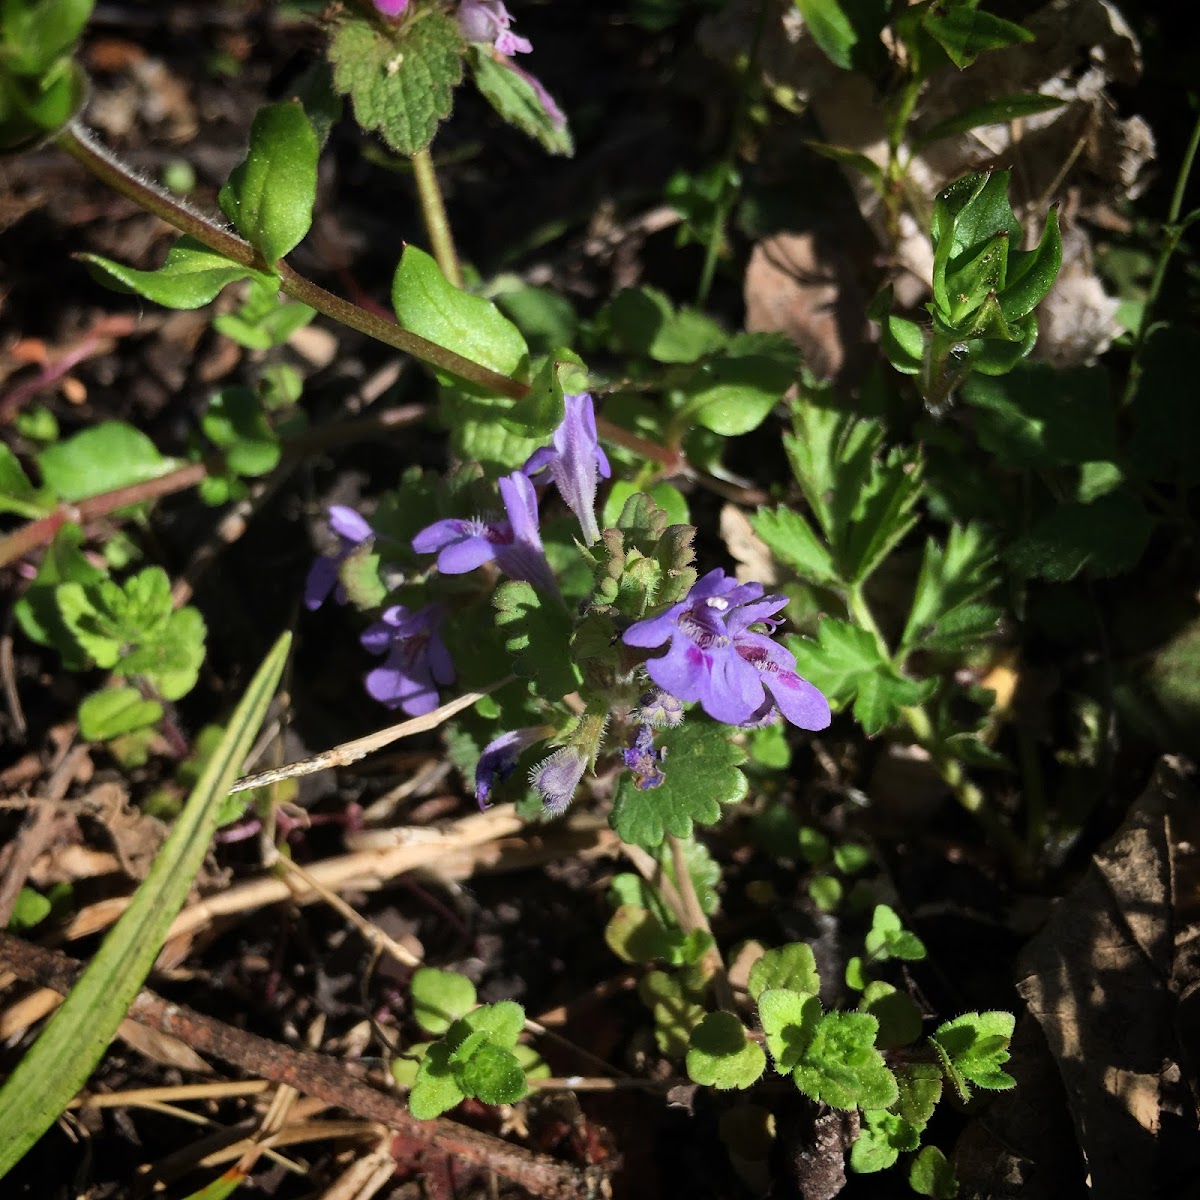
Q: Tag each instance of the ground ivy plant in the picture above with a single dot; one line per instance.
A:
(559, 556)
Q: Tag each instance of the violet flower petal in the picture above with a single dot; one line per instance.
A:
(322, 576)
(349, 524)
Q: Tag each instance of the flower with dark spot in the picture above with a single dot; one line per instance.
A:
(417, 659)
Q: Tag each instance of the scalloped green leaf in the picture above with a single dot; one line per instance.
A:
(440, 998)
(401, 79)
(537, 633)
(841, 1067)
(722, 1056)
(792, 967)
(700, 776)
(789, 1021)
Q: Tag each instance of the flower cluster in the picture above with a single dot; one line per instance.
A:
(718, 657)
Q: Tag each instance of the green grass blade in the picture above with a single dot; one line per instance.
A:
(73, 1042)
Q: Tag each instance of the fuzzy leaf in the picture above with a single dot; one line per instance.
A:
(700, 769)
(440, 998)
(889, 939)
(435, 1089)
(192, 276)
(493, 1075)
(920, 1085)
(973, 1047)
(792, 967)
(841, 1066)
(400, 82)
(722, 1056)
(270, 194)
(537, 634)
(881, 1139)
(789, 1021)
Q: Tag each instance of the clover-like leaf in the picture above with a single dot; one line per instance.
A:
(440, 998)
(722, 1056)
(700, 775)
(400, 81)
(841, 1066)
(789, 1021)
(792, 967)
(973, 1047)
(882, 1136)
(889, 939)
(270, 194)
(537, 633)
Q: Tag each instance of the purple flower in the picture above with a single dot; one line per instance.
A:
(391, 8)
(352, 530)
(658, 709)
(417, 659)
(736, 674)
(515, 545)
(574, 461)
(489, 21)
(557, 777)
(642, 759)
(499, 759)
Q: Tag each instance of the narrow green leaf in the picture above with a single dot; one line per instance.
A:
(991, 112)
(192, 276)
(792, 540)
(73, 1042)
(17, 495)
(1031, 274)
(966, 32)
(865, 166)
(831, 30)
(270, 194)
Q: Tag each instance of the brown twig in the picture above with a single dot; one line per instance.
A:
(315, 1075)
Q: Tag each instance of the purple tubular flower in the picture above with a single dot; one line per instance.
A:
(642, 760)
(417, 661)
(715, 658)
(489, 21)
(352, 530)
(391, 8)
(574, 461)
(499, 759)
(515, 545)
(557, 777)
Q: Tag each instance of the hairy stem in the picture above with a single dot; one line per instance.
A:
(81, 146)
(433, 211)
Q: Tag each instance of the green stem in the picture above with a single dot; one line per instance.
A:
(716, 234)
(82, 147)
(1172, 233)
(433, 211)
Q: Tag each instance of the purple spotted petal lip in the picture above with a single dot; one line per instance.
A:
(642, 759)
(575, 462)
(556, 778)
(351, 530)
(716, 659)
(417, 659)
(514, 543)
(499, 759)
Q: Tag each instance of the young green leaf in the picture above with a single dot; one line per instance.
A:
(841, 1067)
(722, 1056)
(990, 112)
(889, 939)
(103, 458)
(400, 81)
(428, 304)
(236, 422)
(965, 32)
(825, 891)
(635, 934)
(973, 1047)
(733, 391)
(944, 611)
(493, 1075)
(513, 95)
(537, 634)
(440, 998)
(435, 1088)
(700, 769)
(270, 194)
(881, 1139)
(17, 494)
(920, 1085)
(792, 967)
(931, 1175)
(192, 276)
(115, 711)
(789, 1021)
(676, 1009)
